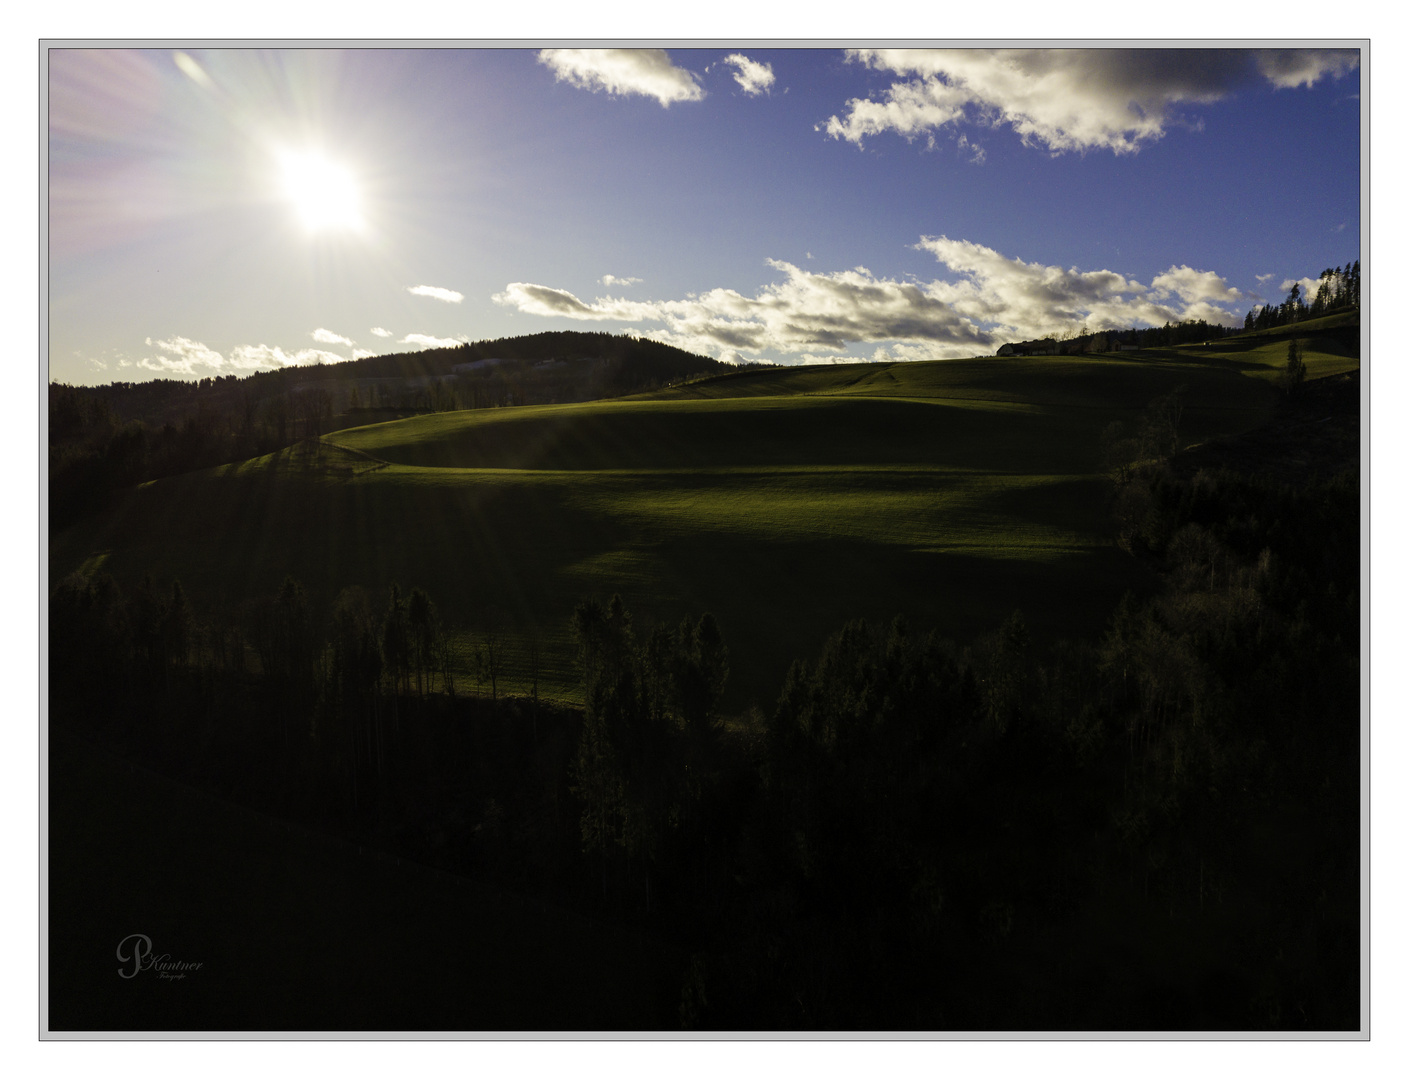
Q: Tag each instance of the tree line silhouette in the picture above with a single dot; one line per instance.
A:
(1337, 289)
(1082, 341)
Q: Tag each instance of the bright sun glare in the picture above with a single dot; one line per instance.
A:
(323, 193)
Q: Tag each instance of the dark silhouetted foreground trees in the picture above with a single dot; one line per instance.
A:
(647, 724)
(1294, 374)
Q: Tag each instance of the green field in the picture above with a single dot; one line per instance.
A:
(784, 501)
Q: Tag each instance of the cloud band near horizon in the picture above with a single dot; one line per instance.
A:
(994, 299)
(184, 356)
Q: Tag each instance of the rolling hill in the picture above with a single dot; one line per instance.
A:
(785, 501)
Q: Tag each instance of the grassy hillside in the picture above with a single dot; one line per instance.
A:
(1344, 325)
(784, 501)
(1263, 356)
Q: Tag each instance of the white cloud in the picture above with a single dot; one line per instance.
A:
(271, 356)
(327, 337)
(611, 279)
(991, 298)
(813, 359)
(906, 351)
(426, 341)
(804, 312)
(908, 109)
(359, 354)
(543, 300)
(753, 76)
(166, 365)
(1067, 99)
(1194, 285)
(183, 357)
(647, 72)
(1308, 288)
(1263, 279)
(450, 296)
(381, 331)
(1021, 300)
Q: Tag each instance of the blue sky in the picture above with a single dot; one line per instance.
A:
(216, 212)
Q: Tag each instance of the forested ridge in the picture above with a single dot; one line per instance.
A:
(1337, 293)
(1154, 829)
(1337, 289)
(102, 439)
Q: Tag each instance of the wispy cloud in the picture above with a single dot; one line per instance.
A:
(646, 72)
(977, 154)
(992, 298)
(753, 76)
(1067, 99)
(426, 341)
(450, 296)
(611, 279)
(327, 337)
(381, 331)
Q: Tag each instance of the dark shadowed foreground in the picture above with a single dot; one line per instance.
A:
(297, 931)
(1151, 827)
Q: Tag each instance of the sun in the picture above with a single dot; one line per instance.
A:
(323, 192)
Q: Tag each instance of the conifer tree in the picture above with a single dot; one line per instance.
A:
(1295, 372)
